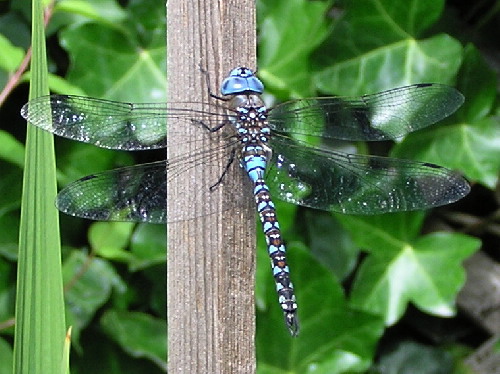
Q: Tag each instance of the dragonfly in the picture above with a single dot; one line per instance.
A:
(273, 147)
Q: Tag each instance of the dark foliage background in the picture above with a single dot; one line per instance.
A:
(372, 289)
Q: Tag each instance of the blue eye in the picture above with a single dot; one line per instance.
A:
(241, 80)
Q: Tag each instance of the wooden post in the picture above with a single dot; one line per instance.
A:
(211, 259)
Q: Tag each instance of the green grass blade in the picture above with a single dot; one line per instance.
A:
(40, 322)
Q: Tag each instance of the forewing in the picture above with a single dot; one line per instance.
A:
(112, 124)
(381, 116)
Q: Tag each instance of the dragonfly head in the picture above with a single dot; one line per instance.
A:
(241, 80)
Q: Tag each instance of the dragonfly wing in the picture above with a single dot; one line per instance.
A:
(381, 116)
(112, 124)
(359, 184)
(137, 193)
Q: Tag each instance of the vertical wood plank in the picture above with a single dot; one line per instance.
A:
(211, 259)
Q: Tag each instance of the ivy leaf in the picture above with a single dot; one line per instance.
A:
(472, 145)
(409, 355)
(77, 160)
(89, 283)
(401, 63)
(289, 31)
(330, 243)
(11, 56)
(402, 270)
(332, 339)
(148, 246)
(103, 11)
(12, 150)
(128, 62)
(147, 243)
(372, 231)
(375, 46)
(9, 221)
(139, 334)
(478, 84)
(110, 240)
(473, 148)
(365, 26)
(7, 357)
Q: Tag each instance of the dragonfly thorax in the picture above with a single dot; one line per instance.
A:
(250, 120)
(247, 101)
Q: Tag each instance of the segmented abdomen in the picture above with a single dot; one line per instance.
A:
(254, 162)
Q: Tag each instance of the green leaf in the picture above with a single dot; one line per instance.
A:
(157, 298)
(89, 282)
(15, 25)
(104, 11)
(401, 268)
(436, 59)
(375, 46)
(12, 150)
(77, 160)
(126, 66)
(332, 337)
(284, 50)
(139, 334)
(7, 293)
(110, 234)
(109, 239)
(383, 231)
(58, 85)
(330, 243)
(478, 84)
(9, 239)
(11, 56)
(496, 345)
(147, 243)
(473, 145)
(365, 26)
(40, 323)
(148, 246)
(473, 148)
(10, 185)
(408, 356)
(6, 354)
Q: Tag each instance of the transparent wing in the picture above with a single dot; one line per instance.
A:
(112, 124)
(381, 116)
(138, 193)
(358, 184)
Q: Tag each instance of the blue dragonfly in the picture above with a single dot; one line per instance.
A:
(271, 146)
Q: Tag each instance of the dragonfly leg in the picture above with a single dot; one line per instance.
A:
(226, 169)
(211, 129)
(209, 86)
